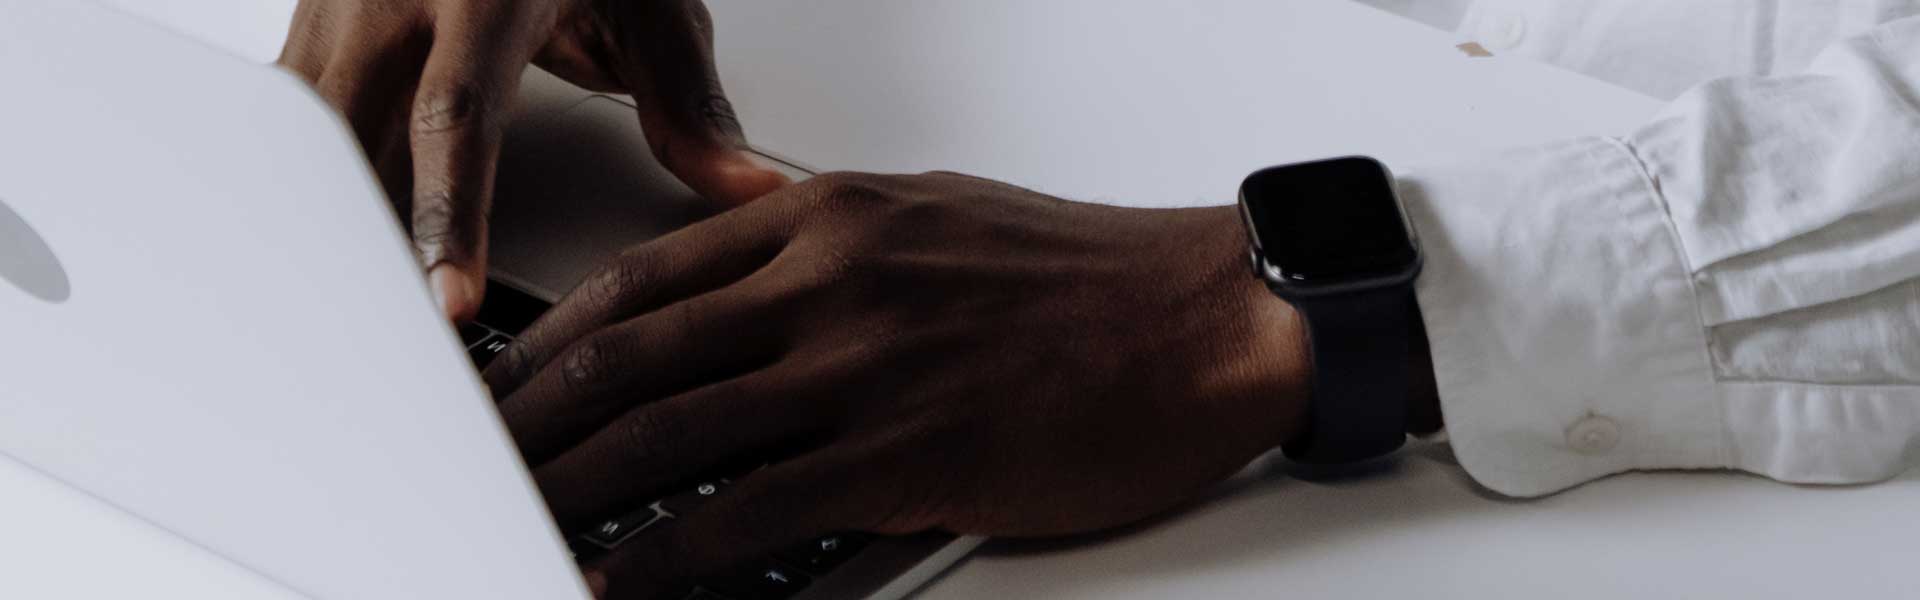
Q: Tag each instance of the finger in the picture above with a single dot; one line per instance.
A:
(689, 123)
(457, 120)
(309, 41)
(700, 258)
(580, 53)
(771, 509)
(709, 338)
(655, 447)
(370, 82)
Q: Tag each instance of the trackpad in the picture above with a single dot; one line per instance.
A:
(575, 186)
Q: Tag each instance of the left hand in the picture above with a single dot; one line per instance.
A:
(427, 86)
(910, 353)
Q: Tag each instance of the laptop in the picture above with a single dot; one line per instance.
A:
(240, 352)
(190, 390)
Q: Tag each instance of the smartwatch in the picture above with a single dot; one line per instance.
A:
(1331, 238)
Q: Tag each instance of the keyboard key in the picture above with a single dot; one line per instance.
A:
(489, 349)
(472, 333)
(765, 580)
(683, 502)
(821, 555)
(509, 310)
(705, 594)
(585, 552)
(734, 472)
(611, 533)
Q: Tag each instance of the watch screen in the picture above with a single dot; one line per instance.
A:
(1328, 221)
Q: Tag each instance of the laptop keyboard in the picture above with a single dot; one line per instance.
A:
(783, 575)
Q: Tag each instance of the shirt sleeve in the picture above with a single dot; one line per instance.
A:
(1663, 47)
(1736, 285)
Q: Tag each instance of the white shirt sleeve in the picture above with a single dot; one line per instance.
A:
(1734, 286)
(1665, 47)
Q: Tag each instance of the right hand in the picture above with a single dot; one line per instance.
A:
(909, 352)
(429, 82)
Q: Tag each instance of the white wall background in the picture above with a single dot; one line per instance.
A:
(232, 25)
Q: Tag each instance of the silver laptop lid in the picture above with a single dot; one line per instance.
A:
(241, 350)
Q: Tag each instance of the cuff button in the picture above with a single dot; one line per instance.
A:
(1502, 31)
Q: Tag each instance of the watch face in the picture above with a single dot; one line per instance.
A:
(1329, 222)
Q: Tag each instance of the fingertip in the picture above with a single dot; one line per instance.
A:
(597, 583)
(457, 292)
(750, 180)
(733, 178)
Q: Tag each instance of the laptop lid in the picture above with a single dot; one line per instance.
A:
(243, 352)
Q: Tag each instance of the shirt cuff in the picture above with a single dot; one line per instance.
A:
(1566, 341)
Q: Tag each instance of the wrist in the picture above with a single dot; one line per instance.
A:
(1265, 366)
(1273, 364)
(1332, 239)
(1284, 371)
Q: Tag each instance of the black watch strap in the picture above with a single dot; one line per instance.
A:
(1361, 374)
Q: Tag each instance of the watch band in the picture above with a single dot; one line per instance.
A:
(1357, 407)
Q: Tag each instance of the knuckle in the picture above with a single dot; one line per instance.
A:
(953, 177)
(700, 18)
(516, 363)
(450, 107)
(433, 212)
(913, 214)
(437, 232)
(623, 282)
(844, 189)
(719, 113)
(591, 362)
(834, 266)
(642, 437)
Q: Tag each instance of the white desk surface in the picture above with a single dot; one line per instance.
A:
(1068, 120)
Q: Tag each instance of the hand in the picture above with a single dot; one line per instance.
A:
(429, 82)
(910, 352)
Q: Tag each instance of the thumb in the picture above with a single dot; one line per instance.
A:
(689, 123)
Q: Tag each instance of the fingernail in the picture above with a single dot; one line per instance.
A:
(454, 292)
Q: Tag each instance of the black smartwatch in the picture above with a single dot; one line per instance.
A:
(1331, 238)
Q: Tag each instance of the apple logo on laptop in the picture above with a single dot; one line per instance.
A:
(27, 262)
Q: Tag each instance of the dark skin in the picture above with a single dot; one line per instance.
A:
(912, 352)
(908, 352)
(427, 86)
